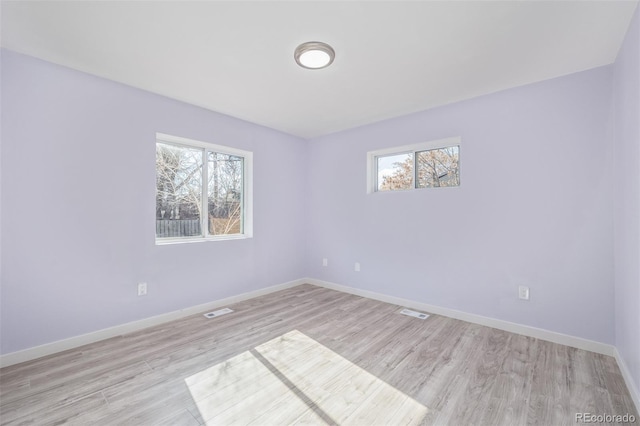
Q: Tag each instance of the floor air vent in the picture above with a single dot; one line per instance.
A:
(411, 313)
(218, 313)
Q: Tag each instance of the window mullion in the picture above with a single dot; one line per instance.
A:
(415, 169)
(242, 198)
(204, 220)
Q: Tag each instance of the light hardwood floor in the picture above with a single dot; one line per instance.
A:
(308, 355)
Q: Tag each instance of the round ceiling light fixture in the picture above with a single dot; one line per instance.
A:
(314, 55)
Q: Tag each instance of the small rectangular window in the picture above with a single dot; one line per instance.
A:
(203, 191)
(426, 165)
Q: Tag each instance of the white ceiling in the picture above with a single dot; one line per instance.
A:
(392, 57)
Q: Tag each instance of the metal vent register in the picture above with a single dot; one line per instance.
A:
(415, 314)
(218, 313)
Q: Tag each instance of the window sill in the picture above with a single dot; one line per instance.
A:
(170, 241)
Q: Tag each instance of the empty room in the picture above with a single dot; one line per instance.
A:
(319, 212)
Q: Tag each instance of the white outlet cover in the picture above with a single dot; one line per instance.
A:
(523, 292)
(142, 289)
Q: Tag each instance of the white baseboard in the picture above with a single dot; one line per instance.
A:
(631, 385)
(538, 333)
(76, 341)
(118, 330)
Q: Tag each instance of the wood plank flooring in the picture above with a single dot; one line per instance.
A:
(309, 355)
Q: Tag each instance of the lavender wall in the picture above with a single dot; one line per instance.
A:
(627, 199)
(78, 198)
(534, 208)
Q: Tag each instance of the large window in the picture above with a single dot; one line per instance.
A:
(203, 191)
(426, 165)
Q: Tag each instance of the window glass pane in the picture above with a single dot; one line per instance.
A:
(178, 191)
(438, 167)
(225, 193)
(394, 172)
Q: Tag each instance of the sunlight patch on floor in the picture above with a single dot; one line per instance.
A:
(294, 379)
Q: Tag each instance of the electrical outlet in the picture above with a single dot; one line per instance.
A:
(142, 289)
(356, 267)
(523, 292)
(325, 262)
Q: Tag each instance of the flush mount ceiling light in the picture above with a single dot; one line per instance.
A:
(314, 55)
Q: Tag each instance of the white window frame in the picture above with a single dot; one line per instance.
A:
(372, 159)
(247, 193)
